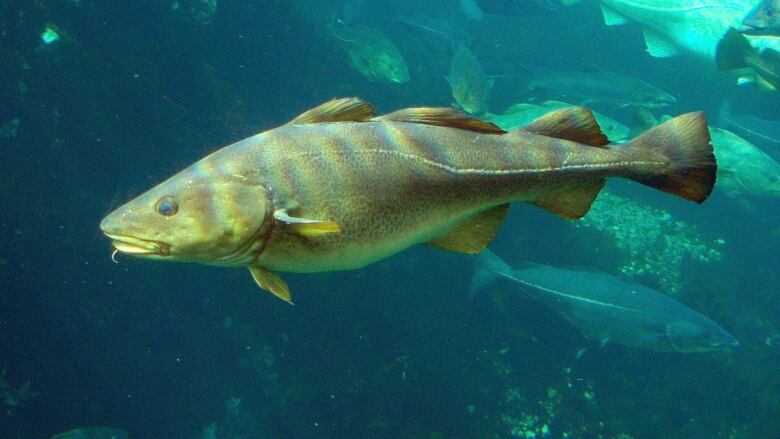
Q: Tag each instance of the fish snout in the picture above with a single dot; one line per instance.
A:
(121, 241)
(750, 26)
(726, 342)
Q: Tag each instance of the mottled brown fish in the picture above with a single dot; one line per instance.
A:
(337, 188)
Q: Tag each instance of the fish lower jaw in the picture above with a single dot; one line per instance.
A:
(137, 247)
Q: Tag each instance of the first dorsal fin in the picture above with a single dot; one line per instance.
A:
(474, 234)
(573, 123)
(445, 117)
(337, 110)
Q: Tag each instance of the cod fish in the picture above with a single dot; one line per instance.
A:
(338, 188)
(607, 309)
(468, 82)
(370, 52)
(763, 66)
(742, 167)
(758, 130)
(764, 19)
(476, 9)
(692, 27)
(439, 33)
(603, 87)
(93, 433)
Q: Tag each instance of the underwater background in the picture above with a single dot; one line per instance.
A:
(101, 100)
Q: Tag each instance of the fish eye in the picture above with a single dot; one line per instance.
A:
(768, 11)
(167, 206)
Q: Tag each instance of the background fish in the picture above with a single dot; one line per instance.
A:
(743, 168)
(93, 433)
(471, 9)
(735, 53)
(600, 86)
(517, 7)
(468, 82)
(764, 19)
(607, 309)
(674, 27)
(756, 129)
(337, 188)
(438, 32)
(522, 114)
(370, 52)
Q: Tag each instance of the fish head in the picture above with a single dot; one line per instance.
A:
(656, 99)
(689, 336)
(468, 99)
(469, 104)
(762, 180)
(198, 215)
(751, 173)
(391, 67)
(763, 19)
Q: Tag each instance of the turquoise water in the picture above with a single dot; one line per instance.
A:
(130, 93)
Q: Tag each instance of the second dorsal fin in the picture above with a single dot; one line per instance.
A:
(445, 117)
(337, 110)
(573, 123)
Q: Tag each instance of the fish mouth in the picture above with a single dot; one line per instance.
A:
(751, 27)
(137, 246)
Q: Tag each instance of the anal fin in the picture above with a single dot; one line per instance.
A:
(271, 282)
(474, 234)
(573, 202)
(573, 123)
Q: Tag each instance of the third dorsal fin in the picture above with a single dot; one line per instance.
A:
(337, 110)
(445, 117)
(573, 123)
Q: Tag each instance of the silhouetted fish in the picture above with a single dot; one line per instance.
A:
(764, 19)
(597, 85)
(607, 309)
(93, 433)
(516, 7)
(758, 130)
(736, 53)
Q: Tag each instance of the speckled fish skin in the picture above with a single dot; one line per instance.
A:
(388, 184)
(391, 185)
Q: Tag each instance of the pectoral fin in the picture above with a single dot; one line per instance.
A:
(271, 282)
(307, 227)
(612, 17)
(658, 46)
(474, 234)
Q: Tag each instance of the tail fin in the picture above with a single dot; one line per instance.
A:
(684, 141)
(488, 267)
(733, 51)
